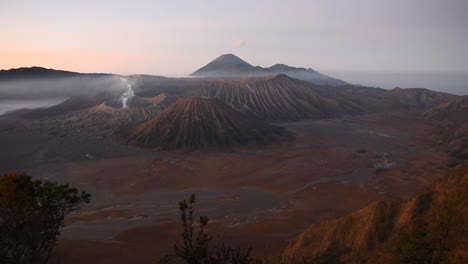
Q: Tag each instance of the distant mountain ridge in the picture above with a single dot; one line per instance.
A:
(40, 72)
(231, 66)
(33, 72)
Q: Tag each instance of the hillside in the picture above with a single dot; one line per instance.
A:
(197, 123)
(271, 98)
(304, 74)
(282, 98)
(414, 98)
(102, 117)
(431, 225)
(452, 120)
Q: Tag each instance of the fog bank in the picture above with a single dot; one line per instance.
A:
(11, 105)
(81, 85)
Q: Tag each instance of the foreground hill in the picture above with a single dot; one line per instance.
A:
(452, 119)
(432, 226)
(231, 66)
(197, 123)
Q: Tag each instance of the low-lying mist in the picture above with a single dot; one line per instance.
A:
(10, 105)
(41, 88)
(31, 93)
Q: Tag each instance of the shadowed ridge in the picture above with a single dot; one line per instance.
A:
(33, 71)
(41, 72)
(374, 233)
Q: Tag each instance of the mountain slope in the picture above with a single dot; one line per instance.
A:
(231, 66)
(452, 120)
(197, 123)
(305, 74)
(429, 226)
(102, 118)
(416, 97)
(282, 98)
(225, 66)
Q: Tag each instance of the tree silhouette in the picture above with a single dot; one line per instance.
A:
(197, 247)
(194, 249)
(31, 214)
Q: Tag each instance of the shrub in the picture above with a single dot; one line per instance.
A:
(197, 247)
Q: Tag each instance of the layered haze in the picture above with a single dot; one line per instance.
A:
(304, 128)
(450, 82)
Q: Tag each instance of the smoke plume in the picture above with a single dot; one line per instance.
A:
(128, 93)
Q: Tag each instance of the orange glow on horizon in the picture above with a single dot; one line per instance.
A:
(81, 61)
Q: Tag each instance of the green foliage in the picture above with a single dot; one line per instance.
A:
(31, 213)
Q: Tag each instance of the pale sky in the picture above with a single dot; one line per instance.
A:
(176, 37)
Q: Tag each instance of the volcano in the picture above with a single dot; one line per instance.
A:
(200, 123)
(231, 66)
(225, 66)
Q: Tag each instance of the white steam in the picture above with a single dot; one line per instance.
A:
(128, 93)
